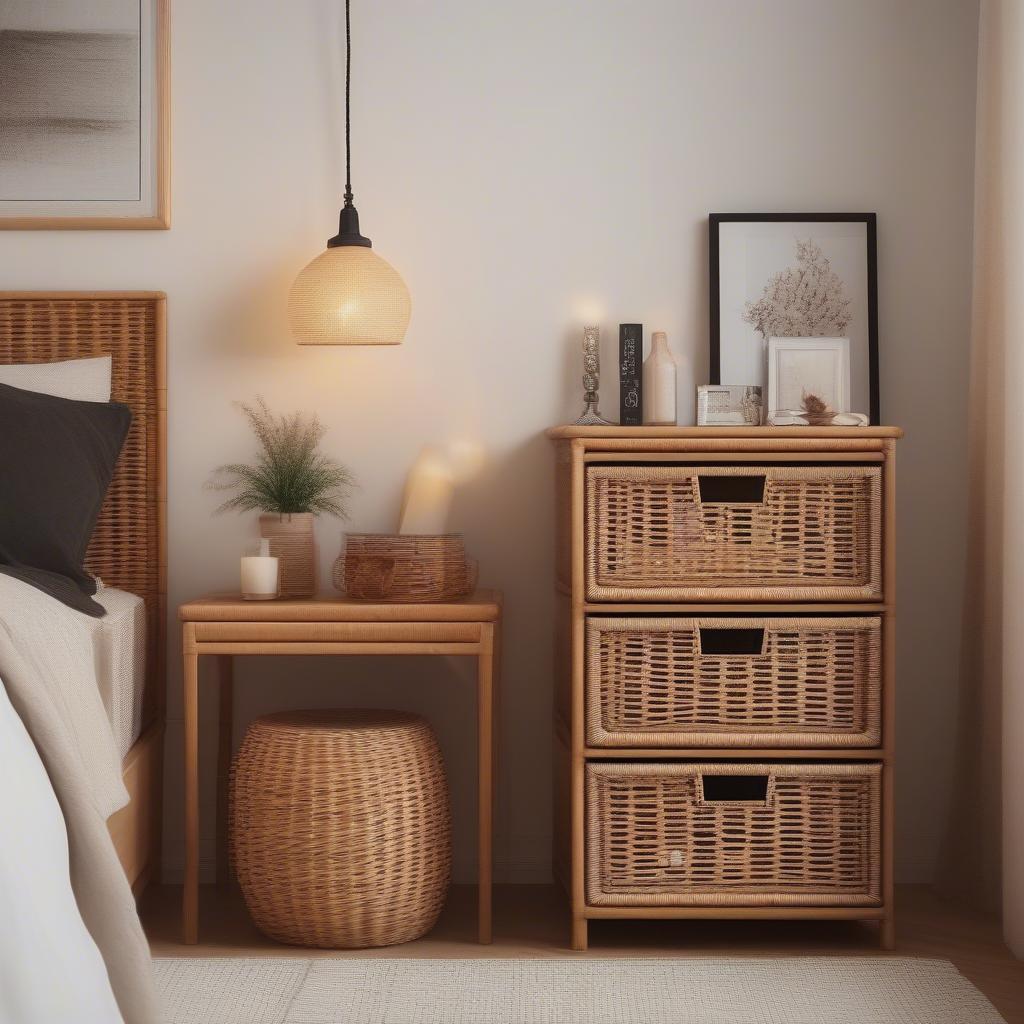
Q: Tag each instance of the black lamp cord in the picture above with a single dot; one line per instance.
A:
(348, 220)
(348, 119)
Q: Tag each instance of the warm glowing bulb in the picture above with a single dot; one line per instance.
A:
(348, 295)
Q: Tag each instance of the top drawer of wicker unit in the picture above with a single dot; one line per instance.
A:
(740, 533)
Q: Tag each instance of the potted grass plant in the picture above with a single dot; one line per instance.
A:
(290, 483)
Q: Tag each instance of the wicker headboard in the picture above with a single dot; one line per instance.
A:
(128, 549)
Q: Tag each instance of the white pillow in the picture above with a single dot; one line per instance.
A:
(87, 380)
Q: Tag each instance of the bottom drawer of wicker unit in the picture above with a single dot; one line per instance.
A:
(729, 834)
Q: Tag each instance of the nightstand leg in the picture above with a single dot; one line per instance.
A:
(225, 723)
(887, 933)
(190, 893)
(485, 766)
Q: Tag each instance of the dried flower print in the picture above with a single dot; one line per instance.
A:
(805, 301)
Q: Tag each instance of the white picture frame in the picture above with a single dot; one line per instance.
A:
(800, 366)
(729, 405)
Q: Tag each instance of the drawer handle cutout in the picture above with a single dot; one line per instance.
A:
(735, 789)
(732, 490)
(731, 641)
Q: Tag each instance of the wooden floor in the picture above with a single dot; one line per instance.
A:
(531, 921)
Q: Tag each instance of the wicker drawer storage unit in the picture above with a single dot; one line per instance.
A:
(725, 684)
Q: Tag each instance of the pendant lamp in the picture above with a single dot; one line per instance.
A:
(348, 295)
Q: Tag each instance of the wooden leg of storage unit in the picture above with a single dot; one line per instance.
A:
(579, 934)
(887, 932)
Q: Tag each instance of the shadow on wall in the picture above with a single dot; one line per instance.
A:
(509, 526)
(250, 320)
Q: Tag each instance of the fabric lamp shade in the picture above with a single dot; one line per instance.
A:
(348, 295)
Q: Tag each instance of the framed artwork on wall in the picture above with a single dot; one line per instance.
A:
(84, 114)
(794, 275)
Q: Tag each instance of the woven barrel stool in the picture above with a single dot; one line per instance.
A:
(340, 827)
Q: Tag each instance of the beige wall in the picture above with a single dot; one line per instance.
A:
(514, 160)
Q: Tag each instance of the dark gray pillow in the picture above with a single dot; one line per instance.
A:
(57, 458)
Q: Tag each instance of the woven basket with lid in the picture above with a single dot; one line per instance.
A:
(340, 827)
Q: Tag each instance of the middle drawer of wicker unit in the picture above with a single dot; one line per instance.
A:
(674, 681)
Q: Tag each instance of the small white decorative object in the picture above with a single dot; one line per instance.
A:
(802, 367)
(660, 383)
(428, 495)
(260, 574)
(729, 405)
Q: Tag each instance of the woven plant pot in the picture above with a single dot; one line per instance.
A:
(340, 828)
(293, 541)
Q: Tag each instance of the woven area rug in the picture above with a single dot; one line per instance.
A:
(834, 990)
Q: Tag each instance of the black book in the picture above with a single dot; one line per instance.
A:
(631, 375)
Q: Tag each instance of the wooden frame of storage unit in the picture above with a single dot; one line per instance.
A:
(576, 449)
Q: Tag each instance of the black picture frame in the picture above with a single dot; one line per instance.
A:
(715, 220)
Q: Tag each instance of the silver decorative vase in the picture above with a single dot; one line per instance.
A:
(591, 416)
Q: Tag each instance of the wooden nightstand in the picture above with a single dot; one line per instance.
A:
(225, 625)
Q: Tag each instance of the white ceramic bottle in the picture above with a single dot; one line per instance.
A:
(660, 383)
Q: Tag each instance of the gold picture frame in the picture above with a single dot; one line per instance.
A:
(152, 211)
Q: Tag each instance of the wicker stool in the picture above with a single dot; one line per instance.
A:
(340, 828)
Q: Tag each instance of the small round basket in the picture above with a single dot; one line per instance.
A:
(404, 567)
(340, 827)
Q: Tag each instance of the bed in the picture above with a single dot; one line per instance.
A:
(128, 549)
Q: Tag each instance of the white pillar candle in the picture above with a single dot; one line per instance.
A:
(428, 495)
(259, 575)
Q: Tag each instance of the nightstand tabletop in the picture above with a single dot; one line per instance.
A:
(480, 606)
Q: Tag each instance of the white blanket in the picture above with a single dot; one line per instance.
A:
(50, 968)
(48, 672)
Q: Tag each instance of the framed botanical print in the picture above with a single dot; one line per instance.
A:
(794, 275)
(84, 114)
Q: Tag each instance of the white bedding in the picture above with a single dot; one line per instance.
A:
(119, 648)
(48, 658)
(50, 967)
(58, 644)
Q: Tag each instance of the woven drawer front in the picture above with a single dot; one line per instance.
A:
(716, 682)
(733, 834)
(683, 532)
